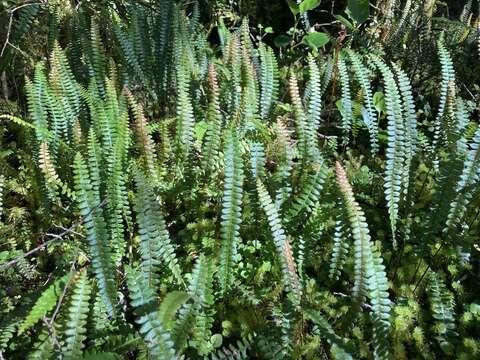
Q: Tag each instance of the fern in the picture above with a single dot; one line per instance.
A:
(362, 75)
(347, 113)
(339, 347)
(96, 234)
(314, 101)
(268, 80)
(145, 141)
(2, 190)
(397, 169)
(44, 304)
(157, 339)
(257, 161)
(370, 276)
(185, 118)
(192, 313)
(306, 144)
(77, 318)
(340, 245)
(448, 75)
(442, 304)
(155, 245)
(465, 186)
(231, 210)
(290, 276)
(310, 193)
(211, 148)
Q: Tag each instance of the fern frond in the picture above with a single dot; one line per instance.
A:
(448, 75)
(307, 149)
(339, 347)
(77, 318)
(185, 117)
(200, 291)
(466, 185)
(211, 147)
(362, 75)
(314, 106)
(289, 271)
(347, 113)
(268, 80)
(341, 240)
(145, 141)
(155, 245)
(231, 209)
(397, 171)
(307, 199)
(257, 161)
(370, 276)
(443, 311)
(157, 339)
(44, 304)
(96, 234)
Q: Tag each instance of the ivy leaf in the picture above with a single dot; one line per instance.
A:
(359, 10)
(307, 5)
(316, 39)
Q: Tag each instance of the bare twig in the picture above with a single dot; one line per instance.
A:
(64, 292)
(9, 29)
(53, 336)
(55, 237)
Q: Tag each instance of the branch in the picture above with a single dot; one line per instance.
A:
(9, 29)
(55, 237)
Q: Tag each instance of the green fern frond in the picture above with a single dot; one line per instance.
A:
(309, 196)
(370, 276)
(77, 318)
(157, 339)
(145, 141)
(96, 234)
(211, 147)
(397, 167)
(466, 184)
(45, 303)
(231, 209)
(289, 270)
(314, 105)
(185, 117)
(268, 80)
(341, 245)
(443, 311)
(347, 113)
(155, 244)
(200, 291)
(339, 347)
(448, 75)
(362, 75)
(257, 161)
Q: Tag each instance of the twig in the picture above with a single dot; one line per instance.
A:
(56, 237)
(51, 332)
(64, 292)
(9, 29)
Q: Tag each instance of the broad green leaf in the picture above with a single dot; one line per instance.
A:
(316, 39)
(293, 7)
(307, 5)
(359, 10)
